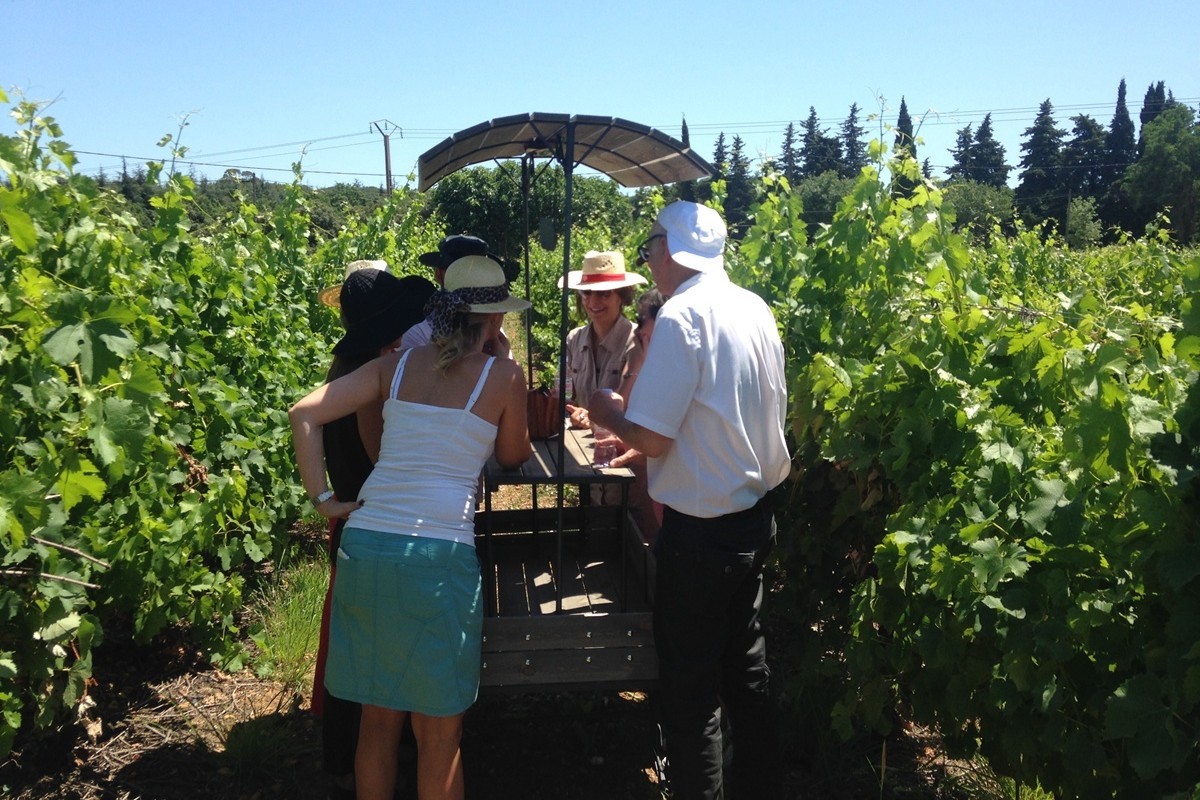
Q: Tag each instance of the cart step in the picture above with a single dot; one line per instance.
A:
(569, 651)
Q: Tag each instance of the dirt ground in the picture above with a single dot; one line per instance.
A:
(166, 726)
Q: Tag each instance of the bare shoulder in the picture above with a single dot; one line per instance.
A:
(506, 369)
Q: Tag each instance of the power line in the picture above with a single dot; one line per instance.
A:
(930, 117)
(243, 167)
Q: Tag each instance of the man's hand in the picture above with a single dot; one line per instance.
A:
(628, 458)
(606, 408)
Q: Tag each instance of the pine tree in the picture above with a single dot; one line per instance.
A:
(1084, 158)
(987, 157)
(1041, 195)
(963, 155)
(854, 152)
(789, 158)
(739, 191)
(819, 152)
(720, 162)
(720, 165)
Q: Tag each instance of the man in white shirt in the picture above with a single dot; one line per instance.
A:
(709, 412)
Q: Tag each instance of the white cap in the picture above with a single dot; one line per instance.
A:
(695, 235)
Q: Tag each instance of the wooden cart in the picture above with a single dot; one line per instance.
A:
(567, 589)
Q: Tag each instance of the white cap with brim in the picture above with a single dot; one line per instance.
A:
(695, 235)
(482, 272)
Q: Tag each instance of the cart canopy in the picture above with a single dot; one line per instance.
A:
(633, 155)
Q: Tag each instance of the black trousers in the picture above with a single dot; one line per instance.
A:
(712, 654)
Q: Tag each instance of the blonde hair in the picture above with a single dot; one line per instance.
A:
(465, 334)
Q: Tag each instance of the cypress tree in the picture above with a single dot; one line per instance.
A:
(687, 189)
(904, 131)
(905, 146)
(1152, 105)
(1120, 152)
(1119, 144)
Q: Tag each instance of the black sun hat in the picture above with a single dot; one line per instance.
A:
(452, 248)
(377, 308)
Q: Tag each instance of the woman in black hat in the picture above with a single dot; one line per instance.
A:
(407, 618)
(376, 309)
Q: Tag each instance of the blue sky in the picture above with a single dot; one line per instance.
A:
(263, 84)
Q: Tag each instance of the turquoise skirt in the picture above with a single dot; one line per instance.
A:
(406, 626)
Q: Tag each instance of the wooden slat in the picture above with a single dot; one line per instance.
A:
(574, 650)
(633, 629)
(623, 667)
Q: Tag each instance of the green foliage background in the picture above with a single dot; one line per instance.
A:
(991, 525)
(146, 464)
(993, 522)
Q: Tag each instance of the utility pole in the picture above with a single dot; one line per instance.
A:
(386, 128)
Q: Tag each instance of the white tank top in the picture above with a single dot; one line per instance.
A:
(426, 480)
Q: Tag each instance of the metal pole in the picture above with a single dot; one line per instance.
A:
(568, 162)
(526, 169)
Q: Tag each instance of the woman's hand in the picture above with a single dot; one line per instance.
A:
(579, 416)
(499, 346)
(337, 509)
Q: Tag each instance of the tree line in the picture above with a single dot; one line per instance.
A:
(1090, 184)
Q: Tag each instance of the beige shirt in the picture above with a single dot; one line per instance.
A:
(601, 367)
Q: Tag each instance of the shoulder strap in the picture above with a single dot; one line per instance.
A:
(399, 374)
(479, 383)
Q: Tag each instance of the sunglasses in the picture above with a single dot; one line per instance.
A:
(643, 250)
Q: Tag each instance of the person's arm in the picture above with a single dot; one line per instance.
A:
(637, 356)
(607, 409)
(324, 404)
(513, 447)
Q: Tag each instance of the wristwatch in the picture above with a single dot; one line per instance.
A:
(322, 497)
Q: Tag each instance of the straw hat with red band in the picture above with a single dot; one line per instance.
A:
(602, 271)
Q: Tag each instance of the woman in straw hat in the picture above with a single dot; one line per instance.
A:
(597, 353)
(407, 618)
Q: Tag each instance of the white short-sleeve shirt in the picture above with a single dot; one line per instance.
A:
(714, 382)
